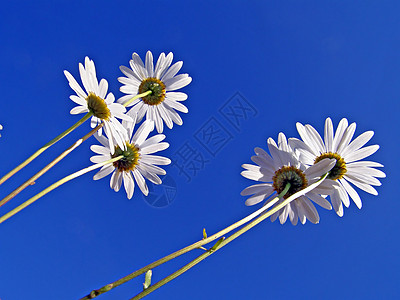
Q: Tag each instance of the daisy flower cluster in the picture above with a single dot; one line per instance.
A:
(292, 176)
(160, 104)
(300, 163)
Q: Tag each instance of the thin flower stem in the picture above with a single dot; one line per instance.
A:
(59, 137)
(45, 147)
(171, 277)
(55, 185)
(209, 252)
(232, 237)
(60, 157)
(137, 97)
(49, 166)
(198, 244)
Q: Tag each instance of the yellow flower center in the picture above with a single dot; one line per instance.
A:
(98, 107)
(130, 157)
(157, 88)
(292, 175)
(338, 170)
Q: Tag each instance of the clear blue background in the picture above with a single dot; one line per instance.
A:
(293, 60)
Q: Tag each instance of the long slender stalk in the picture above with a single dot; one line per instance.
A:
(60, 157)
(171, 277)
(55, 185)
(204, 255)
(49, 166)
(45, 147)
(189, 248)
(198, 244)
(56, 139)
(232, 237)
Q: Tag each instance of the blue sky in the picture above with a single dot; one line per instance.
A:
(291, 61)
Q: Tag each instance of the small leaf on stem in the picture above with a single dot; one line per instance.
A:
(204, 234)
(147, 281)
(217, 244)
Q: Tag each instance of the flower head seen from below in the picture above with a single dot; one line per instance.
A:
(278, 169)
(96, 100)
(162, 103)
(349, 167)
(138, 161)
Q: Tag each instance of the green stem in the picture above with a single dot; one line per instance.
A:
(203, 256)
(196, 245)
(172, 276)
(45, 147)
(49, 166)
(137, 97)
(235, 235)
(59, 158)
(59, 137)
(55, 185)
(55, 140)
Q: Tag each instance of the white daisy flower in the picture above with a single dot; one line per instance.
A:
(138, 162)
(161, 105)
(282, 167)
(94, 99)
(1, 128)
(349, 168)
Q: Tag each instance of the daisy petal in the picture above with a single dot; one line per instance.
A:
(153, 140)
(337, 203)
(328, 135)
(257, 188)
(339, 134)
(173, 70)
(154, 148)
(347, 136)
(165, 116)
(304, 134)
(366, 171)
(98, 159)
(74, 85)
(358, 142)
(177, 82)
(285, 213)
(364, 164)
(78, 100)
(362, 185)
(130, 74)
(104, 171)
(176, 105)
(140, 182)
(321, 201)
(78, 110)
(314, 135)
(149, 64)
(99, 149)
(363, 178)
(143, 132)
(129, 184)
(310, 210)
(352, 192)
(361, 153)
(155, 160)
(176, 96)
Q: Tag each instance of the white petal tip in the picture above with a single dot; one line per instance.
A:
(339, 213)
